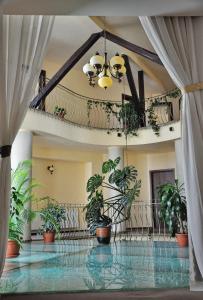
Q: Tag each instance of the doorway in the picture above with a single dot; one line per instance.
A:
(157, 178)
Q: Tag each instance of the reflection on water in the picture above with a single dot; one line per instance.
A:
(84, 265)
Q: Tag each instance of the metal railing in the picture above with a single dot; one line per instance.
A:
(144, 223)
(69, 106)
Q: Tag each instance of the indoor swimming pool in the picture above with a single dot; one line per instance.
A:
(83, 265)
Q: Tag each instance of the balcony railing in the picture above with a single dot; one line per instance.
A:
(144, 223)
(66, 105)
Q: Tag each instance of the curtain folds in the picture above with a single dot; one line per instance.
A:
(23, 41)
(176, 42)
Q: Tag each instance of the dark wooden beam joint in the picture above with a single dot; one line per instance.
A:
(42, 83)
(132, 47)
(141, 96)
(141, 85)
(130, 79)
(69, 64)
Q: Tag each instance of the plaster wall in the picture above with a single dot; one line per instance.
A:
(74, 167)
(38, 122)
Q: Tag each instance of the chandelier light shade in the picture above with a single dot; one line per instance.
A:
(89, 70)
(97, 61)
(100, 67)
(117, 62)
(105, 82)
(122, 70)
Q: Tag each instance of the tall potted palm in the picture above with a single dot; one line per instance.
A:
(173, 210)
(101, 212)
(21, 193)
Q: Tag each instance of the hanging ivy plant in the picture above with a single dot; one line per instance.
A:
(129, 116)
(152, 119)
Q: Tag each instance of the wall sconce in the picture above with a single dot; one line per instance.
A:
(51, 169)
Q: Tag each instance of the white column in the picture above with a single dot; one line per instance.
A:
(179, 160)
(22, 150)
(113, 153)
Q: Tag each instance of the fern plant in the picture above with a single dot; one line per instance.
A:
(52, 216)
(102, 211)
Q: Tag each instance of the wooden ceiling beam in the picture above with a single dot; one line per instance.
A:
(69, 64)
(137, 59)
(78, 54)
(132, 47)
(130, 79)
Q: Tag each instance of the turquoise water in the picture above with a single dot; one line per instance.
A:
(85, 266)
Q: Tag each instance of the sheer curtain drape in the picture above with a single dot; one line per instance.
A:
(23, 41)
(175, 41)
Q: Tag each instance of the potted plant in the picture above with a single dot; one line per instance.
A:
(15, 234)
(52, 216)
(102, 213)
(173, 210)
(21, 193)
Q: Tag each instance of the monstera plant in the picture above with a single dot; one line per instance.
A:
(103, 212)
(173, 210)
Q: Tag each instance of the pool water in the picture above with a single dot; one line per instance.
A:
(83, 265)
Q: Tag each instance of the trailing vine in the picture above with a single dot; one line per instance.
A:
(152, 120)
(131, 117)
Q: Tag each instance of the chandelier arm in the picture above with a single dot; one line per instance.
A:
(93, 76)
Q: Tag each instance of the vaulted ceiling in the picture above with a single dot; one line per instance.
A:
(70, 32)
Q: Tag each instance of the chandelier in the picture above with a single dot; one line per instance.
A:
(99, 67)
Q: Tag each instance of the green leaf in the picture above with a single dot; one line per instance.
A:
(173, 206)
(110, 165)
(94, 183)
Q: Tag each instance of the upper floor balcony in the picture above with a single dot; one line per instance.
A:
(69, 115)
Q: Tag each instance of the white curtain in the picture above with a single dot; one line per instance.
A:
(176, 42)
(23, 41)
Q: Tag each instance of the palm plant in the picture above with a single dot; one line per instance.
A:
(123, 183)
(21, 193)
(173, 208)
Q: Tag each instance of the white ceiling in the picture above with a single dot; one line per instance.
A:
(104, 7)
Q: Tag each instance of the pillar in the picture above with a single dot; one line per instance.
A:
(22, 150)
(113, 153)
(179, 160)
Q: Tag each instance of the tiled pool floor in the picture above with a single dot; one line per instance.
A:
(83, 265)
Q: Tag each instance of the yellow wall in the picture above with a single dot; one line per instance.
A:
(74, 167)
(66, 184)
(96, 158)
(146, 162)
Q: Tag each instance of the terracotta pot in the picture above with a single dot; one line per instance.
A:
(13, 249)
(182, 239)
(49, 237)
(103, 235)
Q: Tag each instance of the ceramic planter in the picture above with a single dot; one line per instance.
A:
(103, 234)
(182, 239)
(13, 249)
(49, 237)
